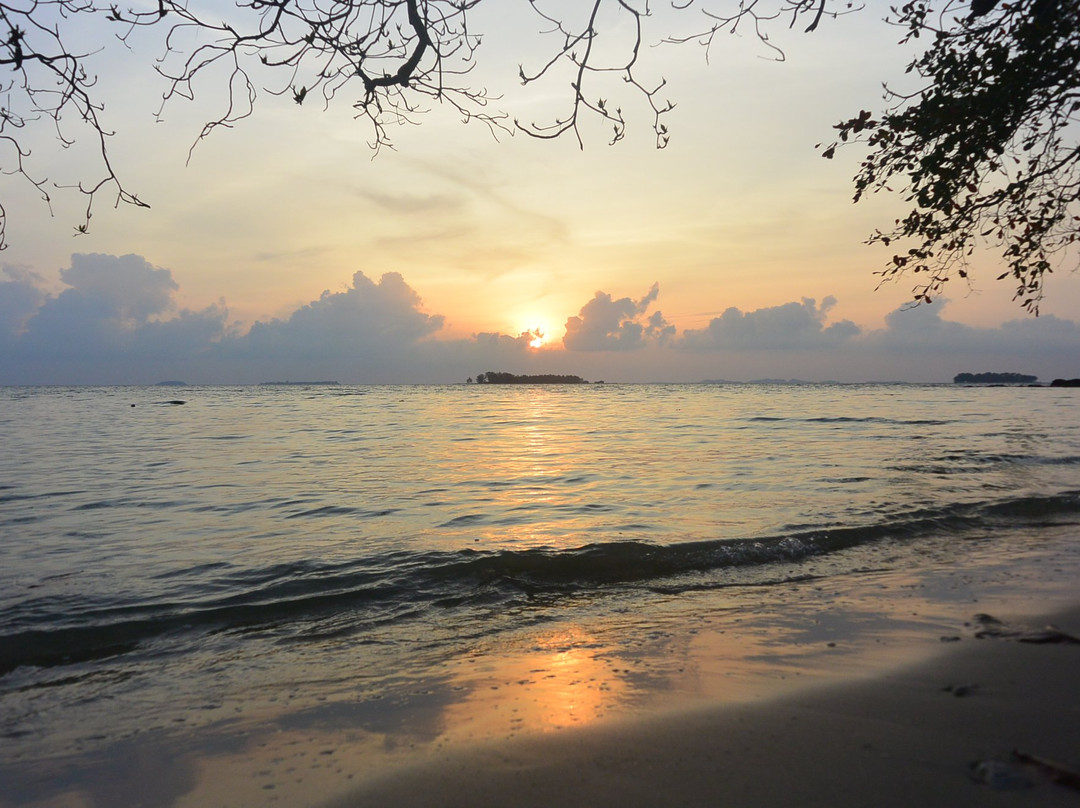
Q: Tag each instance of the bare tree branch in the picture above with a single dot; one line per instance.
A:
(986, 150)
(401, 55)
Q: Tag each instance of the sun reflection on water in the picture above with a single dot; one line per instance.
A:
(565, 679)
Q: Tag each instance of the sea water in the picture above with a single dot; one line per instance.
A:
(349, 556)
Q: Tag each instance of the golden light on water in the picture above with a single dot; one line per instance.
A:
(572, 685)
(565, 679)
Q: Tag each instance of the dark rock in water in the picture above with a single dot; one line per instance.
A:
(1065, 383)
(992, 628)
(1046, 636)
(174, 401)
(1055, 772)
(998, 775)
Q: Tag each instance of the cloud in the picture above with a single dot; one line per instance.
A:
(411, 203)
(127, 288)
(374, 332)
(604, 324)
(20, 296)
(113, 309)
(923, 329)
(791, 326)
(116, 322)
(366, 320)
(499, 343)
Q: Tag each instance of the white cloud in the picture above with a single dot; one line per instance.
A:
(923, 329)
(604, 324)
(791, 326)
(20, 296)
(114, 308)
(367, 318)
(372, 331)
(117, 322)
(1046, 346)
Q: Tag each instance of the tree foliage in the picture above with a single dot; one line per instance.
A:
(994, 378)
(985, 149)
(503, 377)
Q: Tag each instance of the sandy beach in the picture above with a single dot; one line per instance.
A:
(988, 721)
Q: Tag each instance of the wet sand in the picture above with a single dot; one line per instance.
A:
(838, 693)
(944, 732)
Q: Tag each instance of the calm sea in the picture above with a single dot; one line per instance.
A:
(257, 551)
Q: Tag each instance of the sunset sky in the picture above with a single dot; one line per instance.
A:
(285, 250)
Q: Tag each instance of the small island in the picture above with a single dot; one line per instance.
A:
(994, 378)
(501, 377)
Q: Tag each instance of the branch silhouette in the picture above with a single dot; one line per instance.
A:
(987, 151)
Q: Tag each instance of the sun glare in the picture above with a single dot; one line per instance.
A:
(537, 329)
(537, 333)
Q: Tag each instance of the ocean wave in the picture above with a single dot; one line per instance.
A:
(850, 419)
(53, 631)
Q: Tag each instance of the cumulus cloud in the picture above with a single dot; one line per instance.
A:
(20, 296)
(114, 307)
(117, 321)
(366, 318)
(490, 341)
(372, 331)
(791, 326)
(923, 328)
(604, 324)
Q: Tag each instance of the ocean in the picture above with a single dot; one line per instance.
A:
(385, 569)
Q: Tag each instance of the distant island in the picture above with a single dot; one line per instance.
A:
(171, 383)
(994, 378)
(500, 377)
(795, 382)
(1065, 383)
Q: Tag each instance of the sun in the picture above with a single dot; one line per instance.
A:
(535, 333)
(536, 329)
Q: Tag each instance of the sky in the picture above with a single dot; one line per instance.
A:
(284, 249)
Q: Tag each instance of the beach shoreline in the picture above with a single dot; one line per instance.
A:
(872, 689)
(969, 726)
(387, 590)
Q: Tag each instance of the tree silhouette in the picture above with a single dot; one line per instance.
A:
(47, 80)
(986, 150)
